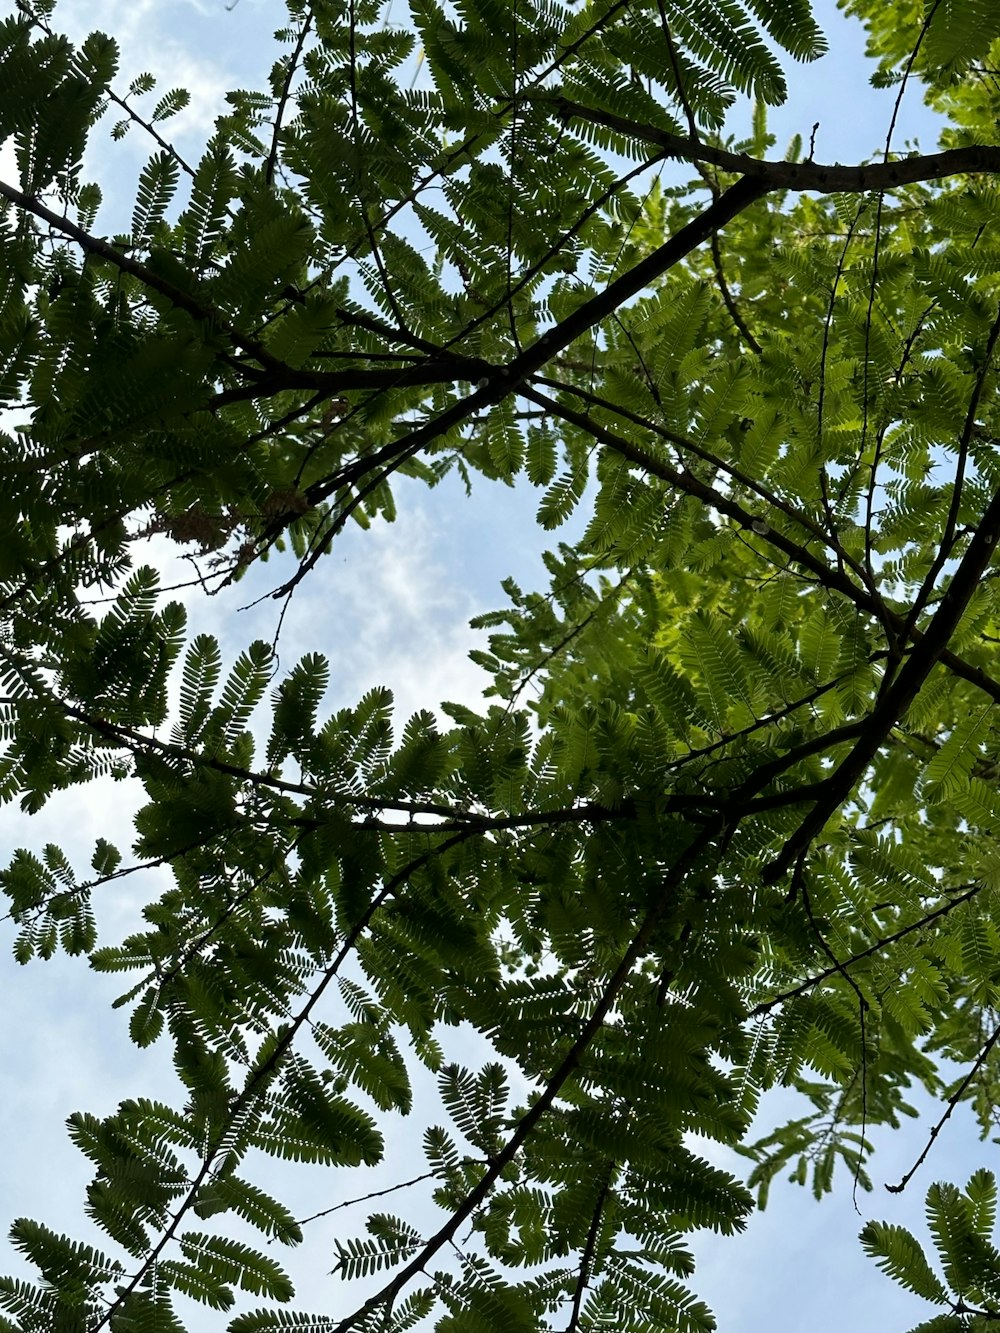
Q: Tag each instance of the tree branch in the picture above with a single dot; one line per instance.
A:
(766, 1006)
(972, 159)
(953, 1101)
(94, 245)
(898, 697)
(556, 1081)
(587, 1257)
(688, 484)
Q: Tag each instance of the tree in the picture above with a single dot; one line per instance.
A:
(727, 821)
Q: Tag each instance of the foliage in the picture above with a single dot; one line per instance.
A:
(726, 822)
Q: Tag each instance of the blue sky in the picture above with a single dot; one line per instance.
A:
(392, 607)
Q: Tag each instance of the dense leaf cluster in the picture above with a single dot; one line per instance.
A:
(727, 822)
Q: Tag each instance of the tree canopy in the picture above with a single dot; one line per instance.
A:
(726, 820)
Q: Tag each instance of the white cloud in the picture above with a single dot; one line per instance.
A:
(390, 612)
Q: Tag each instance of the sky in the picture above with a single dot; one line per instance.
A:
(392, 606)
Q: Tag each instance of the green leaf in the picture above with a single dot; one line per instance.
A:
(899, 1255)
(227, 1261)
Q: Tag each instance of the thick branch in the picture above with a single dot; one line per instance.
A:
(901, 693)
(449, 370)
(817, 176)
(502, 382)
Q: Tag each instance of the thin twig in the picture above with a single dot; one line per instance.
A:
(286, 87)
(953, 1101)
(766, 1006)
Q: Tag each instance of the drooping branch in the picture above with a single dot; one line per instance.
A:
(450, 818)
(738, 475)
(687, 483)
